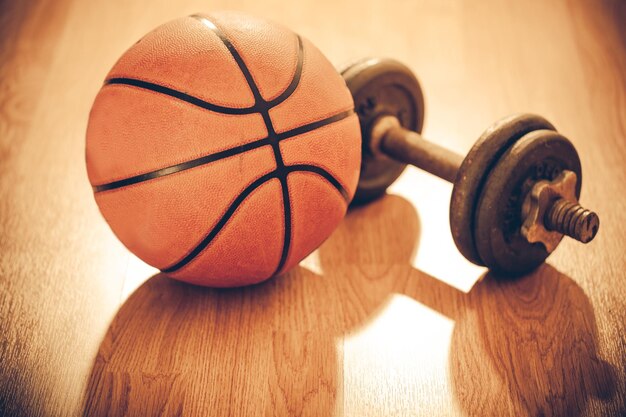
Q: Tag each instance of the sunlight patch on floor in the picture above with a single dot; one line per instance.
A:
(137, 272)
(436, 252)
(394, 364)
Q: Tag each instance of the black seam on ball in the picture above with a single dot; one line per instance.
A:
(182, 166)
(221, 223)
(203, 160)
(158, 88)
(322, 173)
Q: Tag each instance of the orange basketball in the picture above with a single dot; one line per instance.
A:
(223, 149)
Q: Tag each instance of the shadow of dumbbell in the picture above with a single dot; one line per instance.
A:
(525, 346)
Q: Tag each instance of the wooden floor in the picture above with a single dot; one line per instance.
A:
(386, 318)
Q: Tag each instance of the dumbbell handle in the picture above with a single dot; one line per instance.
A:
(410, 147)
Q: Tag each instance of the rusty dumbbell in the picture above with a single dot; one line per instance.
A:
(515, 193)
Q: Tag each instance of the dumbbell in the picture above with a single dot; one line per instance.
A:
(515, 193)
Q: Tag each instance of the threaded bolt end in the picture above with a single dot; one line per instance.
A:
(573, 220)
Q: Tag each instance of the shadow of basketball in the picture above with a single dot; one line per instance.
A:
(271, 349)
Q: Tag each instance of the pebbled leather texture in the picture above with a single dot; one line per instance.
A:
(222, 222)
(262, 45)
(322, 92)
(162, 219)
(339, 157)
(132, 131)
(315, 212)
(185, 56)
(248, 250)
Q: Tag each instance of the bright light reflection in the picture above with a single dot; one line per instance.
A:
(436, 252)
(312, 263)
(394, 363)
(137, 272)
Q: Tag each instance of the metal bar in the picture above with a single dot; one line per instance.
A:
(410, 147)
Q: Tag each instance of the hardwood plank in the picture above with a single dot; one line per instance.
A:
(59, 264)
(386, 318)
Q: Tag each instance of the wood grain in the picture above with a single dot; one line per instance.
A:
(386, 318)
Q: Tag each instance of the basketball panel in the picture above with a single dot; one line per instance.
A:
(322, 93)
(335, 147)
(162, 220)
(269, 50)
(133, 131)
(248, 248)
(187, 56)
(316, 210)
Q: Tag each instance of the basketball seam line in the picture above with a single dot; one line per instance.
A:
(264, 108)
(221, 223)
(183, 166)
(206, 159)
(324, 174)
(241, 197)
(158, 88)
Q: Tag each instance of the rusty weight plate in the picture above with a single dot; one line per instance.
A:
(538, 155)
(474, 171)
(382, 87)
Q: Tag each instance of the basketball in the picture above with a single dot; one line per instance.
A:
(222, 149)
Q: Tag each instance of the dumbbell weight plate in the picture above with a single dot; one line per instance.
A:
(475, 169)
(538, 155)
(382, 87)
